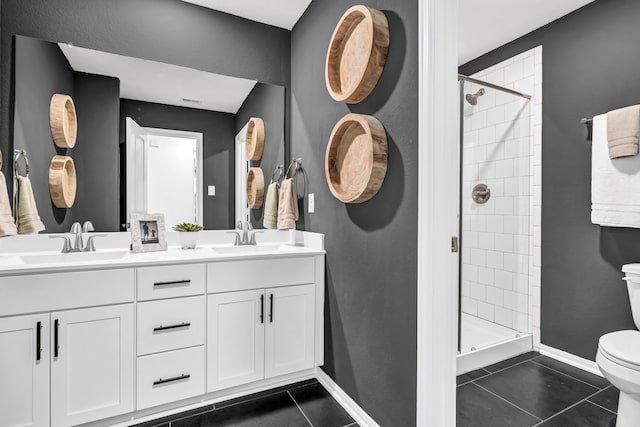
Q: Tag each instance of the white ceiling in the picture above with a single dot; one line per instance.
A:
(163, 83)
(279, 13)
(488, 24)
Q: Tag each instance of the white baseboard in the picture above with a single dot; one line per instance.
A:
(349, 405)
(570, 359)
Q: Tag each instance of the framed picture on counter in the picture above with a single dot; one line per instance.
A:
(147, 232)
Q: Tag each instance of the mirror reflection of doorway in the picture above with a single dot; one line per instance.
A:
(164, 173)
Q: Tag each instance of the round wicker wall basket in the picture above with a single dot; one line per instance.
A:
(357, 54)
(255, 138)
(62, 181)
(255, 188)
(356, 158)
(63, 121)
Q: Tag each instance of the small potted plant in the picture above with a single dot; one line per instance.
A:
(188, 234)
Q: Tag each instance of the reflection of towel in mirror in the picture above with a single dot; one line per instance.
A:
(270, 220)
(287, 205)
(7, 225)
(27, 218)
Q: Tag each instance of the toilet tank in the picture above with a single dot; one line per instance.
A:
(632, 277)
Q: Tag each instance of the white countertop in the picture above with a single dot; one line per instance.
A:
(38, 262)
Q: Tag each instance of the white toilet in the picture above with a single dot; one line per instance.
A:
(618, 356)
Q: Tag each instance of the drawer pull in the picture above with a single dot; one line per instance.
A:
(175, 282)
(176, 326)
(170, 380)
(38, 340)
(56, 327)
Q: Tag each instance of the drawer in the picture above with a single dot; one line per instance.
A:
(170, 281)
(263, 273)
(62, 291)
(171, 376)
(170, 324)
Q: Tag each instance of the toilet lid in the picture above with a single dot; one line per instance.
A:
(622, 345)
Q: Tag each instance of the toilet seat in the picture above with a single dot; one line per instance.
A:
(622, 347)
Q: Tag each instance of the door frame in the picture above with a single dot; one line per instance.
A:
(132, 163)
(242, 169)
(438, 189)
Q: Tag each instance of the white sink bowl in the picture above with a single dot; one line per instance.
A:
(72, 257)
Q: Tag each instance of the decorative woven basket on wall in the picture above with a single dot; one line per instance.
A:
(356, 158)
(62, 181)
(255, 188)
(357, 54)
(255, 138)
(63, 120)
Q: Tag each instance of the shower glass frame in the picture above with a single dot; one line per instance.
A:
(471, 87)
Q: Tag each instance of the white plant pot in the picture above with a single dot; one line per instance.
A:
(188, 239)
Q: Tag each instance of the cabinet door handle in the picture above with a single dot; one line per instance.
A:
(271, 308)
(170, 380)
(177, 325)
(262, 308)
(38, 340)
(175, 282)
(56, 326)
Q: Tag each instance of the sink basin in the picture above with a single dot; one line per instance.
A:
(73, 257)
(254, 249)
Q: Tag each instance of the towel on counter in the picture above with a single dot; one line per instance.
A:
(623, 127)
(615, 184)
(270, 220)
(287, 205)
(7, 224)
(27, 218)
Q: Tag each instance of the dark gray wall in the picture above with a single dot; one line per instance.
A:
(97, 101)
(168, 31)
(268, 103)
(218, 150)
(590, 66)
(370, 307)
(43, 71)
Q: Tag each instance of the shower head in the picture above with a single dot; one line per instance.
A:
(473, 99)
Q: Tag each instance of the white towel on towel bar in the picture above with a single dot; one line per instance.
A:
(615, 184)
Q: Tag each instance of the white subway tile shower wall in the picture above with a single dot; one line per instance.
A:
(502, 147)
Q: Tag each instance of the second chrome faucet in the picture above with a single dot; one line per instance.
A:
(245, 234)
(78, 245)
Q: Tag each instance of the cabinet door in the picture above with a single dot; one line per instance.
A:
(24, 371)
(92, 364)
(290, 327)
(235, 339)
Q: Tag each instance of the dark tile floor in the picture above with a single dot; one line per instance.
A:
(534, 390)
(301, 404)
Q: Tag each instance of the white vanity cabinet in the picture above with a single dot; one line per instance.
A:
(91, 364)
(82, 370)
(24, 371)
(262, 332)
(171, 326)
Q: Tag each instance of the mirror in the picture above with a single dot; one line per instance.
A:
(107, 90)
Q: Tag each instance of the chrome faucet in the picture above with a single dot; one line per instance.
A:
(245, 234)
(78, 246)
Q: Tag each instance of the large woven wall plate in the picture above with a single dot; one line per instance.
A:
(62, 181)
(255, 138)
(63, 121)
(356, 158)
(357, 54)
(255, 188)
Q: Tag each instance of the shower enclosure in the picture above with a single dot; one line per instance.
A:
(496, 208)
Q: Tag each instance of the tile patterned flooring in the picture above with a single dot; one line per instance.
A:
(534, 390)
(302, 404)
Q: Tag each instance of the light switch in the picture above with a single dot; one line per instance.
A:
(211, 190)
(312, 202)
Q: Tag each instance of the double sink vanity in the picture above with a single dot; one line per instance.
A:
(116, 338)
